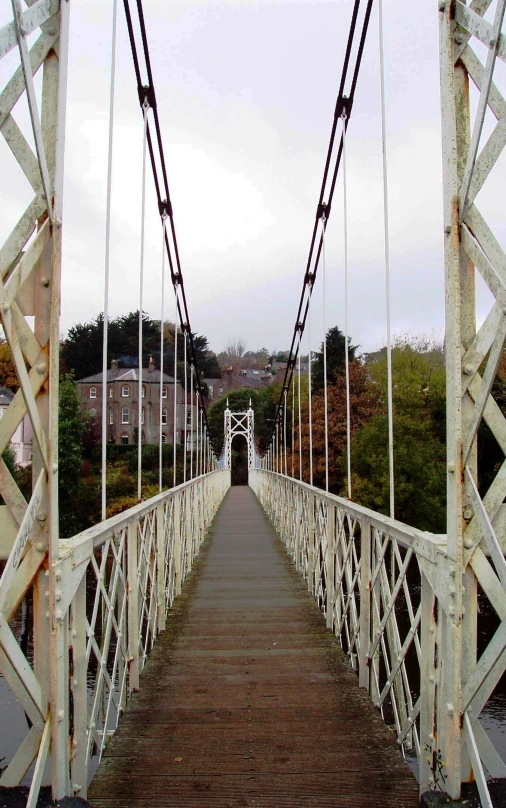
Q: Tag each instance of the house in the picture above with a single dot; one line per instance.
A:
(21, 440)
(122, 390)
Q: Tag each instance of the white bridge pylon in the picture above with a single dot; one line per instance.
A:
(239, 423)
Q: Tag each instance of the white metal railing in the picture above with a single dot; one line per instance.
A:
(117, 581)
(387, 591)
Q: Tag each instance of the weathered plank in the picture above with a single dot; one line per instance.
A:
(247, 698)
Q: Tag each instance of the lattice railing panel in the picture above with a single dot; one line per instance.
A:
(367, 574)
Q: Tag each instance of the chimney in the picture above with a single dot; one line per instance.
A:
(114, 366)
(151, 365)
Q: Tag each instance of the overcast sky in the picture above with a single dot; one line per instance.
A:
(246, 92)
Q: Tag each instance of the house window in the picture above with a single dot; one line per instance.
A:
(125, 391)
(93, 392)
(143, 391)
(211, 390)
(220, 391)
(92, 412)
(124, 415)
(110, 392)
(164, 438)
(164, 392)
(124, 438)
(189, 418)
(142, 415)
(111, 416)
(164, 415)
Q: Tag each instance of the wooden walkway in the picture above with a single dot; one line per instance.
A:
(247, 699)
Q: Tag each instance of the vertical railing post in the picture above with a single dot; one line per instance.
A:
(330, 566)
(78, 687)
(160, 564)
(310, 543)
(178, 567)
(365, 603)
(427, 687)
(133, 605)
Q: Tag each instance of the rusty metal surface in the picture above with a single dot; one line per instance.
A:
(247, 700)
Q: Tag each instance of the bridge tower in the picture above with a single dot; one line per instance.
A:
(239, 423)
(30, 263)
(474, 552)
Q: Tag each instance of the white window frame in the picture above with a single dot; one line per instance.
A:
(93, 392)
(123, 411)
(111, 415)
(143, 415)
(143, 391)
(111, 392)
(123, 436)
(123, 393)
(164, 415)
(164, 392)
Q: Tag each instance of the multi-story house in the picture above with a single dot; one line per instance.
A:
(122, 391)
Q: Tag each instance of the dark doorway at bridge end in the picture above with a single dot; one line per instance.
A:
(239, 470)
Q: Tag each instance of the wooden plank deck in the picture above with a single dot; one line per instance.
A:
(247, 700)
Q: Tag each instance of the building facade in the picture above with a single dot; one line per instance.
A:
(122, 391)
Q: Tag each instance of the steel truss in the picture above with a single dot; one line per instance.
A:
(475, 519)
(30, 262)
(239, 423)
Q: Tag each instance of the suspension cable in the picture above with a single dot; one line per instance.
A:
(284, 431)
(345, 99)
(160, 418)
(174, 451)
(160, 179)
(300, 416)
(105, 367)
(310, 388)
(387, 264)
(185, 404)
(293, 427)
(191, 421)
(325, 392)
(346, 358)
(145, 108)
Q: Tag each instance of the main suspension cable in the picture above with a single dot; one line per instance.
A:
(334, 152)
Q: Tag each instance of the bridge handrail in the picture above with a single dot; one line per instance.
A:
(423, 542)
(378, 582)
(116, 583)
(98, 534)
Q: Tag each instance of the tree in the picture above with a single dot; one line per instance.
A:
(364, 402)
(8, 376)
(418, 376)
(81, 350)
(336, 358)
(70, 456)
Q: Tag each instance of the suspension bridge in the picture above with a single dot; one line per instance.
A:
(316, 642)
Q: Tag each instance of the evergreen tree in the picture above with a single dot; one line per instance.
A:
(70, 456)
(336, 358)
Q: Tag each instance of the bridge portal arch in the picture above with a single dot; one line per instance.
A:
(239, 423)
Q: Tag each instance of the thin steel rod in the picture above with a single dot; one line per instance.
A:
(191, 421)
(284, 434)
(310, 386)
(174, 451)
(325, 392)
(387, 266)
(346, 358)
(293, 425)
(186, 403)
(105, 386)
(145, 109)
(162, 313)
(300, 418)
